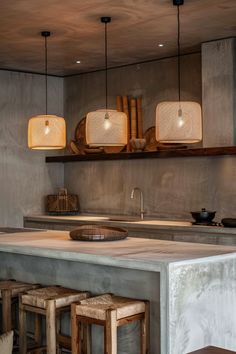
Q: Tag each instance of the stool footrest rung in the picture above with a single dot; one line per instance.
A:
(36, 349)
(64, 341)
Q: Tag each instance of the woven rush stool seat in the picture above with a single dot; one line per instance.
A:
(212, 350)
(110, 311)
(49, 302)
(9, 292)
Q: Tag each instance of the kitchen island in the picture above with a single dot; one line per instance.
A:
(191, 287)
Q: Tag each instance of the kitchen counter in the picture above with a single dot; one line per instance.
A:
(149, 228)
(191, 287)
(146, 223)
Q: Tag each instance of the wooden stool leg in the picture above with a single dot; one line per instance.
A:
(37, 332)
(58, 331)
(86, 344)
(6, 310)
(75, 335)
(145, 330)
(51, 327)
(110, 345)
(22, 329)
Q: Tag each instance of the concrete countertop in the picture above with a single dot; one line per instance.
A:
(148, 223)
(191, 287)
(135, 253)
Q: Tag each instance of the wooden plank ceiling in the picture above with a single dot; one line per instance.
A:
(137, 27)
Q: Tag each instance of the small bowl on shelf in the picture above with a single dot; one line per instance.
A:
(137, 144)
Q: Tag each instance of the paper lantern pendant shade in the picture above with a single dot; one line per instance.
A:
(111, 131)
(46, 132)
(178, 122)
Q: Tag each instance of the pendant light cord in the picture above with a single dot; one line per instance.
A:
(46, 34)
(106, 76)
(106, 20)
(178, 43)
(46, 74)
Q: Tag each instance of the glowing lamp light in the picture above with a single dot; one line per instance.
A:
(178, 122)
(106, 127)
(46, 132)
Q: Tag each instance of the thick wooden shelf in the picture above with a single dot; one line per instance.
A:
(216, 151)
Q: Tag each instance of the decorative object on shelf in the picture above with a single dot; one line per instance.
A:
(98, 233)
(113, 149)
(46, 132)
(97, 150)
(106, 127)
(79, 145)
(119, 104)
(132, 107)
(62, 203)
(126, 111)
(180, 121)
(151, 142)
(137, 144)
(133, 118)
(153, 145)
(139, 118)
(80, 132)
(228, 222)
(74, 148)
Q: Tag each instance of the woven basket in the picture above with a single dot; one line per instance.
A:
(62, 203)
(98, 233)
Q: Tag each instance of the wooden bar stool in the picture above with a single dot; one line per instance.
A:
(9, 292)
(109, 311)
(212, 350)
(50, 302)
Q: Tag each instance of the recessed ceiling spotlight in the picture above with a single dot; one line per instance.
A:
(78, 61)
(160, 45)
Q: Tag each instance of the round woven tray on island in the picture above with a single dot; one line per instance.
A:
(98, 233)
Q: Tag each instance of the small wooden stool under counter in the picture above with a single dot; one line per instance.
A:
(50, 302)
(111, 312)
(9, 292)
(212, 350)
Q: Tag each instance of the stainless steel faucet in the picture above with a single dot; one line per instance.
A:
(141, 200)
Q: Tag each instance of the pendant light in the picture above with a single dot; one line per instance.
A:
(46, 132)
(179, 121)
(106, 127)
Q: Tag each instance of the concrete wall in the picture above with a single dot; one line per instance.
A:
(172, 187)
(155, 82)
(24, 177)
(219, 92)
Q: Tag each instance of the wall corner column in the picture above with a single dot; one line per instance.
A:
(219, 92)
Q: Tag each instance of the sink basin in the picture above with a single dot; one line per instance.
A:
(124, 219)
(149, 221)
(165, 222)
